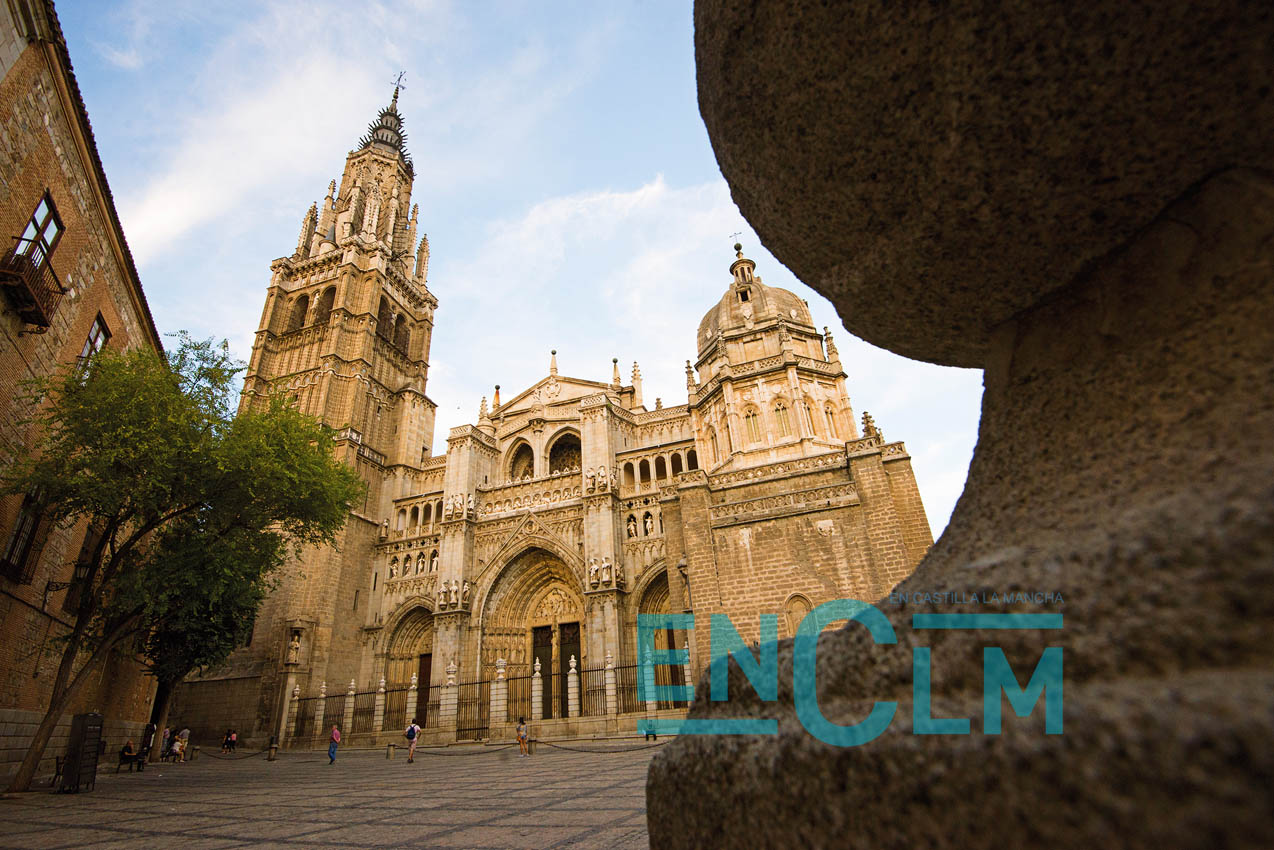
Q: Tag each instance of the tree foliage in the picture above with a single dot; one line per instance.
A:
(195, 507)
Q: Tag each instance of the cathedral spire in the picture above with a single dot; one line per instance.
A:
(615, 380)
(636, 385)
(387, 130)
(553, 362)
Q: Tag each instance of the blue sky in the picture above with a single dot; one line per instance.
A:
(564, 178)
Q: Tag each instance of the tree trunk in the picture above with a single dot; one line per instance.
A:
(65, 687)
(159, 713)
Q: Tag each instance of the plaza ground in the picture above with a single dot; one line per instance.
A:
(472, 797)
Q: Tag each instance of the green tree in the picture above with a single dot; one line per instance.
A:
(150, 453)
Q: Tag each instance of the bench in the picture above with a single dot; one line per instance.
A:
(137, 760)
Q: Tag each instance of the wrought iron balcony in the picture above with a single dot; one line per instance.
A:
(29, 282)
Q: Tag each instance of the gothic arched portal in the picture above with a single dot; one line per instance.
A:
(534, 611)
(410, 649)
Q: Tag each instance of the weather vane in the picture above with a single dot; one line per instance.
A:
(398, 81)
(736, 234)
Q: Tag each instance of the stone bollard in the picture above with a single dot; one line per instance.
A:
(612, 686)
(647, 673)
(537, 693)
(194, 753)
(320, 709)
(413, 697)
(572, 690)
(499, 694)
(378, 719)
(449, 702)
(389, 752)
(274, 752)
(347, 722)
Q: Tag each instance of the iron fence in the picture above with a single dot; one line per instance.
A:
(433, 707)
(333, 712)
(364, 713)
(626, 685)
(519, 702)
(395, 709)
(473, 710)
(305, 717)
(592, 691)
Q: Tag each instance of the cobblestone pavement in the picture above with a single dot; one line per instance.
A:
(472, 797)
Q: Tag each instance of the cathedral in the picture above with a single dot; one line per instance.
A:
(505, 577)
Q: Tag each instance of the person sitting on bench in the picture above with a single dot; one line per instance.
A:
(128, 756)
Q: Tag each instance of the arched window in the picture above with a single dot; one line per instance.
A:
(393, 566)
(753, 424)
(522, 464)
(677, 467)
(299, 308)
(415, 518)
(643, 470)
(647, 525)
(402, 519)
(564, 455)
(806, 418)
(781, 420)
(428, 515)
(433, 561)
(402, 334)
(692, 460)
(421, 563)
(629, 480)
(384, 319)
(829, 416)
(712, 444)
(323, 307)
(661, 468)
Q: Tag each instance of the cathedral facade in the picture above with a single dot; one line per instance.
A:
(473, 587)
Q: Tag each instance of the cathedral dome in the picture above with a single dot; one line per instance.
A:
(749, 303)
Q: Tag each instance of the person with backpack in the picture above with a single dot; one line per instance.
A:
(412, 735)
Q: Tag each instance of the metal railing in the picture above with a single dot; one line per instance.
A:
(395, 709)
(27, 276)
(305, 717)
(519, 699)
(626, 684)
(433, 707)
(364, 713)
(592, 691)
(473, 710)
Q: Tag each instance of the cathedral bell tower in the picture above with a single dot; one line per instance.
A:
(348, 317)
(345, 336)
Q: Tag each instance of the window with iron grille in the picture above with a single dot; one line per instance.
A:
(22, 550)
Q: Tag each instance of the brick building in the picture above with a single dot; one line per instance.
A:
(557, 517)
(69, 288)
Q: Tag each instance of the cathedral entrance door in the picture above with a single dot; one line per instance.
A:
(542, 646)
(568, 641)
(423, 672)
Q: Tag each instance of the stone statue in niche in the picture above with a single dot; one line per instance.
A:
(294, 649)
(592, 571)
(606, 570)
(650, 525)
(619, 573)
(393, 568)
(469, 506)
(612, 479)
(601, 478)
(464, 596)
(455, 592)
(632, 528)
(442, 596)
(433, 561)
(588, 481)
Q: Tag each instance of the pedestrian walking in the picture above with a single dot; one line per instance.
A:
(184, 737)
(522, 738)
(165, 743)
(335, 741)
(412, 735)
(234, 740)
(225, 742)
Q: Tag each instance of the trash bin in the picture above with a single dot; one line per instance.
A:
(79, 771)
